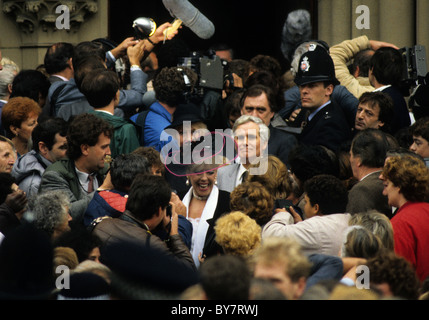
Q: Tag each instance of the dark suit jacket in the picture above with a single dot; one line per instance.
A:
(368, 195)
(401, 117)
(53, 79)
(211, 247)
(329, 128)
(281, 143)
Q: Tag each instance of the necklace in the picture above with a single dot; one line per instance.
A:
(198, 197)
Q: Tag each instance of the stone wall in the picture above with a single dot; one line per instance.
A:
(402, 22)
(29, 27)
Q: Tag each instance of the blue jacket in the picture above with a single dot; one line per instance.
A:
(99, 207)
(157, 120)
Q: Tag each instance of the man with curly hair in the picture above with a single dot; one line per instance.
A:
(170, 86)
(406, 185)
(79, 175)
(253, 199)
(325, 221)
(393, 276)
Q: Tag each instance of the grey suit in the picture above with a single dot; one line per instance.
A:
(227, 176)
(367, 194)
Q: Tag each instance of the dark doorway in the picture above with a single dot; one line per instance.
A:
(249, 27)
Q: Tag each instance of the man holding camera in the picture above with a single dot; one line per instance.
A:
(147, 220)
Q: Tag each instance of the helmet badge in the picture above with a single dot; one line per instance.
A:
(305, 64)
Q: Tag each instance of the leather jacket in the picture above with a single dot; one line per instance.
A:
(127, 228)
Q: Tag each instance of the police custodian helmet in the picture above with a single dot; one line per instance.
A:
(316, 65)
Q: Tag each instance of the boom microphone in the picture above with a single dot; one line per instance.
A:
(191, 17)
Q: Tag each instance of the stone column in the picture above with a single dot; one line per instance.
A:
(389, 20)
(397, 22)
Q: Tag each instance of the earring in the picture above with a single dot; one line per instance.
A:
(215, 182)
(187, 182)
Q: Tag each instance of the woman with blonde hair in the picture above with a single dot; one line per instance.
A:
(377, 223)
(238, 234)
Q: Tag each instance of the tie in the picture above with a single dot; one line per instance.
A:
(90, 183)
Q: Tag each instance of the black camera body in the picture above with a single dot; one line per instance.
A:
(415, 65)
(169, 213)
(416, 79)
(208, 68)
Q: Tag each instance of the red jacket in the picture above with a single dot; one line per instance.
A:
(411, 233)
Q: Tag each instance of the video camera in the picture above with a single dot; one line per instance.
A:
(415, 68)
(416, 79)
(210, 71)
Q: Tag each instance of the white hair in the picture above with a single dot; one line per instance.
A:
(264, 131)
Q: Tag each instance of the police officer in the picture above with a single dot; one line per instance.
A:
(324, 121)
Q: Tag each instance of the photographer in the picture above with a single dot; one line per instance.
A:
(215, 80)
(146, 214)
(359, 51)
(385, 74)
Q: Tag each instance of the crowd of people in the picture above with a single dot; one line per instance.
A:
(118, 164)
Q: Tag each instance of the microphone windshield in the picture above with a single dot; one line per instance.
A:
(191, 17)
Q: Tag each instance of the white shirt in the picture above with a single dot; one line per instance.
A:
(200, 225)
(382, 88)
(61, 77)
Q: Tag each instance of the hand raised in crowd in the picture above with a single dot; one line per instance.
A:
(159, 36)
(136, 53)
(180, 207)
(375, 45)
(122, 48)
(296, 217)
(17, 201)
(173, 221)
